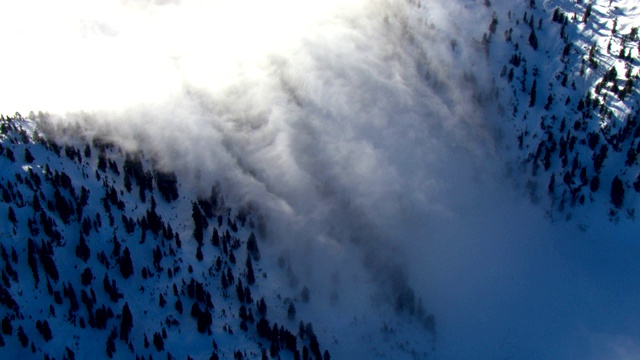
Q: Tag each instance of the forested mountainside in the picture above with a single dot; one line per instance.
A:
(571, 101)
(103, 253)
(103, 256)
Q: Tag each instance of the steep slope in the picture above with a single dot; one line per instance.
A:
(103, 253)
(346, 161)
(569, 87)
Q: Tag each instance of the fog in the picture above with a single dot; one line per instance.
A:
(360, 130)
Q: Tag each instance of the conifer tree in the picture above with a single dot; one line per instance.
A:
(126, 264)
(532, 99)
(28, 157)
(252, 246)
(158, 342)
(251, 279)
(12, 216)
(533, 39)
(82, 249)
(291, 311)
(126, 323)
(617, 192)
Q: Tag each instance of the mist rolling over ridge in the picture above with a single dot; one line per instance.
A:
(370, 138)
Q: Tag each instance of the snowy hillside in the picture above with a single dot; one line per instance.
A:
(105, 255)
(366, 179)
(570, 75)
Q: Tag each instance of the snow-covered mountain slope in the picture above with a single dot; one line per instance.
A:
(365, 153)
(570, 98)
(103, 254)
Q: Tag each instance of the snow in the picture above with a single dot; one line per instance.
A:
(482, 261)
(346, 329)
